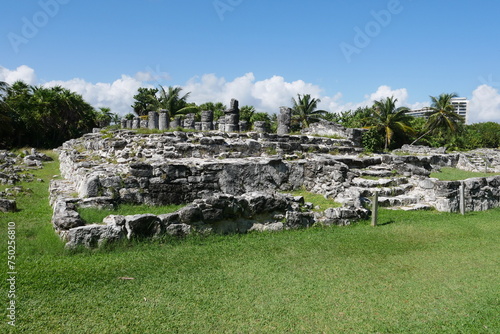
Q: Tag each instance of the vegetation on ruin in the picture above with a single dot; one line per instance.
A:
(94, 215)
(455, 174)
(319, 201)
(417, 272)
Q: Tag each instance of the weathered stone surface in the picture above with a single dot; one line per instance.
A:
(143, 225)
(419, 149)
(284, 120)
(7, 205)
(163, 120)
(65, 215)
(90, 186)
(153, 120)
(92, 236)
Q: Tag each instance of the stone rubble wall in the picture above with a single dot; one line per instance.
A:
(220, 213)
(218, 170)
(480, 193)
(169, 168)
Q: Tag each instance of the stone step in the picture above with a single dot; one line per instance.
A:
(397, 201)
(384, 191)
(376, 173)
(413, 207)
(382, 182)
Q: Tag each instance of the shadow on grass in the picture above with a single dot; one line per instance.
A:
(392, 221)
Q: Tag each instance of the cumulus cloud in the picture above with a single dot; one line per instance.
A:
(117, 95)
(335, 103)
(265, 95)
(484, 105)
(22, 73)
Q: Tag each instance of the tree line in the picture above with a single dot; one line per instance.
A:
(388, 126)
(44, 117)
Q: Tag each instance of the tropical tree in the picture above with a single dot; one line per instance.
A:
(389, 120)
(174, 103)
(43, 117)
(442, 117)
(217, 107)
(304, 110)
(145, 101)
(246, 114)
(104, 116)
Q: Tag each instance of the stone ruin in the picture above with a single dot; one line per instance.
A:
(238, 182)
(15, 168)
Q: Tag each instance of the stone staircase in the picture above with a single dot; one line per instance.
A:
(393, 190)
(481, 165)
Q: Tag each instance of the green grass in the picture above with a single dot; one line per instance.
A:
(318, 200)
(418, 272)
(96, 216)
(455, 174)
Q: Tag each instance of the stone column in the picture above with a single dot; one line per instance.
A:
(232, 117)
(221, 124)
(124, 123)
(153, 120)
(284, 121)
(176, 122)
(189, 121)
(243, 126)
(260, 127)
(197, 126)
(136, 123)
(163, 120)
(129, 124)
(207, 120)
(143, 124)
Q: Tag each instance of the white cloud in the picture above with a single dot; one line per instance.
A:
(118, 95)
(484, 105)
(23, 73)
(265, 95)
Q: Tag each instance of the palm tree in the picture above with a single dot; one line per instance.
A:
(390, 120)
(104, 116)
(304, 110)
(217, 107)
(175, 104)
(442, 116)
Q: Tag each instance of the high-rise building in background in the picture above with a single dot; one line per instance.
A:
(461, 105)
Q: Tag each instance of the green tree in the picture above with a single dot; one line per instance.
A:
(217, 107)
(390, 120)
(442, 118)
(145, 101)
(246, 114)
(45, 117)
(104, 117)
(174, 103)
(304, 110)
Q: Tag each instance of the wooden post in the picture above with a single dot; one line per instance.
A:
(375, 209)
(462, 198)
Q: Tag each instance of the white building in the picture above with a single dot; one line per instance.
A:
(461, 105)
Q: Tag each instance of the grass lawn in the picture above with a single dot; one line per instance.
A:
(455, 174)
(420, 272)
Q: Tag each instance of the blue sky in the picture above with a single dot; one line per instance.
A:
(262, 52)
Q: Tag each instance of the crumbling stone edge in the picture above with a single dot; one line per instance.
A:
(219, 213)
